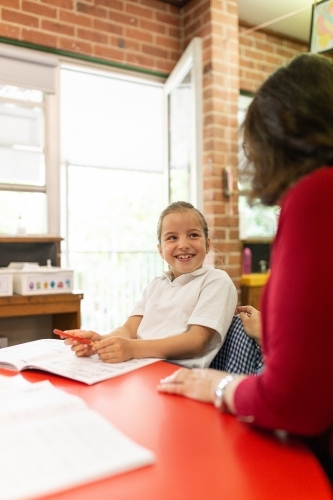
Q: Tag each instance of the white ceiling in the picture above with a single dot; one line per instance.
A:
(297, 25)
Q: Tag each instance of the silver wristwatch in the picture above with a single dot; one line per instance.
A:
(219, 402)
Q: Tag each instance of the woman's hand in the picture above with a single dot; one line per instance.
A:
(251, 319)
(114, 349)
(79, 348)
(199, 384)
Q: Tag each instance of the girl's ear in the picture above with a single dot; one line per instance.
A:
(207, 245)
(160, 251)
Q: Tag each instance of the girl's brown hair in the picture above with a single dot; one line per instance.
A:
(180, 206)
(288, 129)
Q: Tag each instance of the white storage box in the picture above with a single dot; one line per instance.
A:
(32, 279)
(6, 282)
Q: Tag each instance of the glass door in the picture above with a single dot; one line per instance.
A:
(183, 91)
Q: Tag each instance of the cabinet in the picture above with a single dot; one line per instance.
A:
(251, 288)
(60, 311)
(30, 249)
(25, 318)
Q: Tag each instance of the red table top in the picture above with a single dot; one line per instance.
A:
(199, 452)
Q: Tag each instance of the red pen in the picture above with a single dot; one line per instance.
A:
(74, 337)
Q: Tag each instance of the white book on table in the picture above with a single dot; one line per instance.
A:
(53, 356)
(51, 441)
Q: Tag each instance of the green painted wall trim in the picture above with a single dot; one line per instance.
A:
(247, 93)
(81, 57)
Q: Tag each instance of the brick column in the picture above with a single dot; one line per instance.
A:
(221, 90)
(216, 22)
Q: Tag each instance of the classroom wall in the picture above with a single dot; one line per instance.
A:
(141, 33)
(260, 53)
(152, 35)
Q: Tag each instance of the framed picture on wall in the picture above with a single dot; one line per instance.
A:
(321, 36)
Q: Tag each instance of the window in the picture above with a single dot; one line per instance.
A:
(28, 159)
(113, 188)
(183, 90)
(255, 221)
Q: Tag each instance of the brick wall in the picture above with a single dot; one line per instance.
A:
(260, 53)
(151, 35)
(141, 33)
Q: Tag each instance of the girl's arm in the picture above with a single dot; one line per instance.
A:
(189, 344)
(127, 331)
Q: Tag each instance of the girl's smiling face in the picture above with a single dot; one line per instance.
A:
(183, 242)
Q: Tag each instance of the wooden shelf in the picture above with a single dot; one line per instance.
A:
(30, 238)
(30, 248)
(63, 307)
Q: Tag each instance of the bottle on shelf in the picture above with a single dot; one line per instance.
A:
(247, 261)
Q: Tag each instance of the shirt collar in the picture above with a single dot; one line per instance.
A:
(186, 277)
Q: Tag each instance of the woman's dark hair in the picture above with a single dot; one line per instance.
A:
(288, 129)
(180, 206)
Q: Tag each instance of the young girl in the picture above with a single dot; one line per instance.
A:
(183, 315)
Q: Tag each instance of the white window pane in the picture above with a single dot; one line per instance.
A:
(108, 122)
(27, 209)
(180, 140)
(21, 167)
(21, 144)
(21, 125)
(113, 210)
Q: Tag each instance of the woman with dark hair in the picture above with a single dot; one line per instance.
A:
(288, 138)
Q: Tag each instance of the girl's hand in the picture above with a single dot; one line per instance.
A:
(79, 348)
(199, 384)
(114, 349)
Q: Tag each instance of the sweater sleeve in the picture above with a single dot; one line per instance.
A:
(295, 391)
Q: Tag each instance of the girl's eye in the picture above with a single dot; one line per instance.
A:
(171, 238)
(194, 235)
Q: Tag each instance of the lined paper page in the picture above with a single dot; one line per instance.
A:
(58, 443)
(55, 357)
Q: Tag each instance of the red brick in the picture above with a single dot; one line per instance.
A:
(63, 29)
(107, 27)
(90, 10)
(139, 60)
(165, 66)
(75, 46)
(75, 18)
(13, 4)
(137, 11)
(109, 53)
(168, 19)
(93, 36)
(111, 4)
(63, 4)
(9, 31)
(138, 34)
(169, 43)
(120, 18)
(154, 51)
(19, 18)
(32, 36)
(174, 32)
(155, 5)
(38, 9)
(131, 46)
(153, 27)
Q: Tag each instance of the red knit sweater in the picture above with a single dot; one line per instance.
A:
(295, 391)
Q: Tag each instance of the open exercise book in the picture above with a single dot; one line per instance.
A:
(53, 356)
(51, 441)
